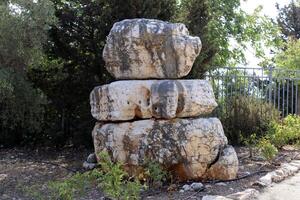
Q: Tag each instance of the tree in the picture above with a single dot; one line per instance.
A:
(23, 31)
(289, 19)
(22, 109)
(225, 31)
(74, 64)
(289, 57)
(24, 26)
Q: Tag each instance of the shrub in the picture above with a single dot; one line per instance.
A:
(22, 110)
(110, 177)
(154, 174)
(250, 142)
(244, 115)
(267, 149)
(115, 182)
(285, 132)
(70, 187)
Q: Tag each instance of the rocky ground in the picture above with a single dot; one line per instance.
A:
(288, 188)
(25, 171)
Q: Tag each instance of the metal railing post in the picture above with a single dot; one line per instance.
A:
(270, 83)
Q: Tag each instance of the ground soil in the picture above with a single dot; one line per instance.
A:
(21, 169)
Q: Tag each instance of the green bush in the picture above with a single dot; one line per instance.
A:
(267, 149)
(154, 174)
(22, 109)
(286, 131)
(250, 142)
(114, 181)
(244, 115)
(110, 178)
(70, 187)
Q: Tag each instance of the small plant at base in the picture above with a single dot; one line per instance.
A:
(250, 142)
(154, 174)
(267, 149)
(114, 180)
(68, 188)
(285, 132)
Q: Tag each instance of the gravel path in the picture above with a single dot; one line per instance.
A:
(288, 189)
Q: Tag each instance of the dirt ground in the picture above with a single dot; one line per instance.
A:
(22, 168)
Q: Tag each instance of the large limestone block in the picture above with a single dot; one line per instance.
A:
(148, 48)
(225, 167)
(126, 100)
(186, 147)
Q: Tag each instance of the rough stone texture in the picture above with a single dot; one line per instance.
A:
(248, 194)
(285, 170)
(89, 166)
(148, 48)
(126, 100)
(91, 158)
(226, 167)
(213, 197)
(186, 147)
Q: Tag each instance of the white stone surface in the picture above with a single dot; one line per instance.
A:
(149, 48)
(248, 194)
(127, 100)
(186, 147)
(226, 167)
(213, 197)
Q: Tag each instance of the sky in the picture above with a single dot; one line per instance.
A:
(270, 10)
(268, 6)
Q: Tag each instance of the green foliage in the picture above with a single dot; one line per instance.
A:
(154, 174)
(285, 132)
(32, 191)
(114, 180)
(267, 149)
(74, 63)
(24, 26)
(22, 109)
(250, 142)
(246, 115)
(110, 178)
(70, 187)
(289, 19)
(219, 24)
(289, 57)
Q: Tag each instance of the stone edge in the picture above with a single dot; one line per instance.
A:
(286, 170)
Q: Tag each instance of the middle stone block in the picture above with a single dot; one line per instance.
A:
(166, 99)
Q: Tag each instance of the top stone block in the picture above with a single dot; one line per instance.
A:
(148, 48)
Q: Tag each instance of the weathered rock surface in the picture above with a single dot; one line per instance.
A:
(226, 166)
(186, 147)
(286, 170)
(248, 194)
(126, 100)
(148, 48)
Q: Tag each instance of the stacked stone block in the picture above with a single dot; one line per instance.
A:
(162, 119)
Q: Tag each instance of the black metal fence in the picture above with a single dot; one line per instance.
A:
(276, 86)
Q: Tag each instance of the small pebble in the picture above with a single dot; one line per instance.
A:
(221, 184)
(91, 158)
(186, 187)
(197, 186)
(89, 166)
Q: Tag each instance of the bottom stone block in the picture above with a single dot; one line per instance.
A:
(193, 148)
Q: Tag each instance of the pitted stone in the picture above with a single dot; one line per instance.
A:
(149, 48)
(225, 167)
(167, 99)
(186, 147)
